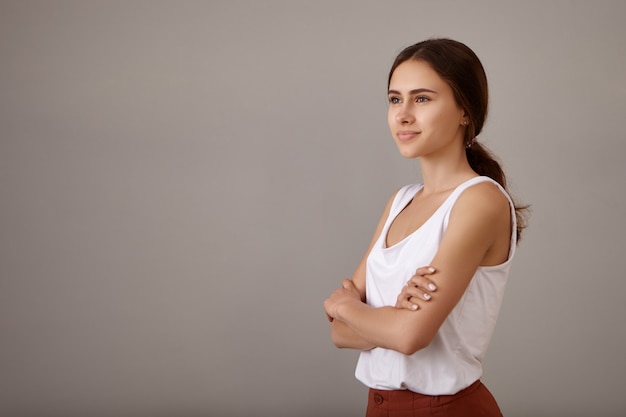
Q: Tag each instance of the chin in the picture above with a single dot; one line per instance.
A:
(408, 153)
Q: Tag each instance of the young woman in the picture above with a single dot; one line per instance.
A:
(423, 331)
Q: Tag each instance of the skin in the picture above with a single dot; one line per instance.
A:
(426, 123)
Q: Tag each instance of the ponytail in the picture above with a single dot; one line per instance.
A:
(483, 162)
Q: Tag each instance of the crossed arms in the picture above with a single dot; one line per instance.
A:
(477, 233)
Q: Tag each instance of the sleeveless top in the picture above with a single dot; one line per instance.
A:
(453, 360)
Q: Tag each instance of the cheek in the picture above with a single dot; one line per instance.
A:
(445, 120)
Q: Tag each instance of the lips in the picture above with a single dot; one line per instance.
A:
(407, 135)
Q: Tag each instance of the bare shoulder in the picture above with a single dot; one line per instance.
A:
(484, 199)
(482, 215)
(482, 211)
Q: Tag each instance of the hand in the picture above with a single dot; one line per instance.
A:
(346, 293)
(418, 288)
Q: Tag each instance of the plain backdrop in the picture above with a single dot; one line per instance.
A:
(182, 183)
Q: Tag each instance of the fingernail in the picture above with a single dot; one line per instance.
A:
(432, 287)
(431, 269)
(414, 307)
(426, 297)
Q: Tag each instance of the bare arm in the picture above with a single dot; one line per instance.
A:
(478, 221)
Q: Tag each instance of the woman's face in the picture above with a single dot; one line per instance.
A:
(424, 118)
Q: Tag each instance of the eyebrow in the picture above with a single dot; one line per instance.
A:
(413, 92)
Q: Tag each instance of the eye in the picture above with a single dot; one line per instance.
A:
(421, 99)
(394, 100)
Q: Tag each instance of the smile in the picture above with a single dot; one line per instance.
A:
(407, 135)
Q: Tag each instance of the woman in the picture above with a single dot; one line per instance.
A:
(423, 332)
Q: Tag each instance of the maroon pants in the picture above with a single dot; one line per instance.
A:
(473, 401)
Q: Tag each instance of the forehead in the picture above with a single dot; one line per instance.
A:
(414, 74)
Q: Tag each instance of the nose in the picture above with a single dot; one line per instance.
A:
(404, 115)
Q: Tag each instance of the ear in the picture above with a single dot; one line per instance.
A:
(464, 119)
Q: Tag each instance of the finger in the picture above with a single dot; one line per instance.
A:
(410, 296)
(413, 305)
(422, 282)
(415, 292)
(406, 303)
(425, 270)
(347, 284)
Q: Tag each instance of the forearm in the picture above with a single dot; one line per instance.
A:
(344, 337)
(387, 327)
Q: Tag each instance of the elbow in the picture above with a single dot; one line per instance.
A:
(415, 339)
(409, 346)
(337, 341)
(335, 338)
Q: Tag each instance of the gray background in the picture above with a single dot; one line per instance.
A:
(183, 183)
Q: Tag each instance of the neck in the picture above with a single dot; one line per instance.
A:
(441, 175)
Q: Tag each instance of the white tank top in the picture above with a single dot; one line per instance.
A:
(453, 360)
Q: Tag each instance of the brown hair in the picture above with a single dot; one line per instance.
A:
(459, 66)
